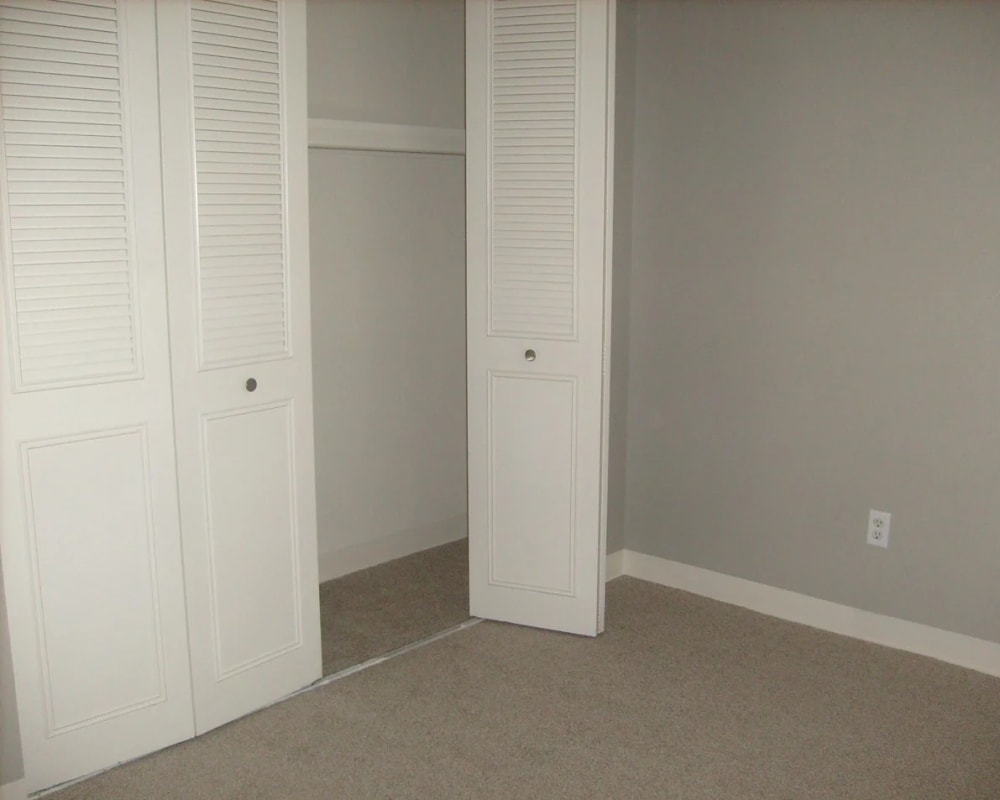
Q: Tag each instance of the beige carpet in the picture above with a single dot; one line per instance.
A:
(682, 699)
(377, 610)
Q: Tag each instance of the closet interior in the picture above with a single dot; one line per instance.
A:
(387, 215)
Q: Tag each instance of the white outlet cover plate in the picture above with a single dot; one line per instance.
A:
(878, 527)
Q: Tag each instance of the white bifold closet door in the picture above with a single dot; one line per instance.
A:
(158, 504)
(89, 528)
(233, 107)
(539, 112)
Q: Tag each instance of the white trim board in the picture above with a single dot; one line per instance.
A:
(349, 135)
(15, 790)
(614, 565)
(345, 560)
(954, 648)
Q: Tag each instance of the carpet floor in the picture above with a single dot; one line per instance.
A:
(377, 610)
(683, 698)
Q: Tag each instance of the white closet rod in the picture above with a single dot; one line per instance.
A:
(347, 135)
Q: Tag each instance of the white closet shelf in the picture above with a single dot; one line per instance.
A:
(341, 134)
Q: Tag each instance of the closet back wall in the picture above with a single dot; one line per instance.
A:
(388, 284)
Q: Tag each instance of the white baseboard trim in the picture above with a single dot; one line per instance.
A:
(16, 790)
(954, 648)
(613, 568)
(345, 560)
(349, 135)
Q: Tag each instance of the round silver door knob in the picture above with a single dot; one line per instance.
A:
(251, 384)
(529, 355)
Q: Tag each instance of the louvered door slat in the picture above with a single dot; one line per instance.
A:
(533, 188)
(66, 191)
(57, 14)
(238, 134)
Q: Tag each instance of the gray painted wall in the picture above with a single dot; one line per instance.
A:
(388, 279)
(815, 300)
(621, 267)
(11, 768)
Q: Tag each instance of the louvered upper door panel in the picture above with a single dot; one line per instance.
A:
(243, 276)
(532, 139)
(66, 185)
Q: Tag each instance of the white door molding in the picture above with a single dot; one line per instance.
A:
(913, 637)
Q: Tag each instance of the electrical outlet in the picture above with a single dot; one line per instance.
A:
(878, 527)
